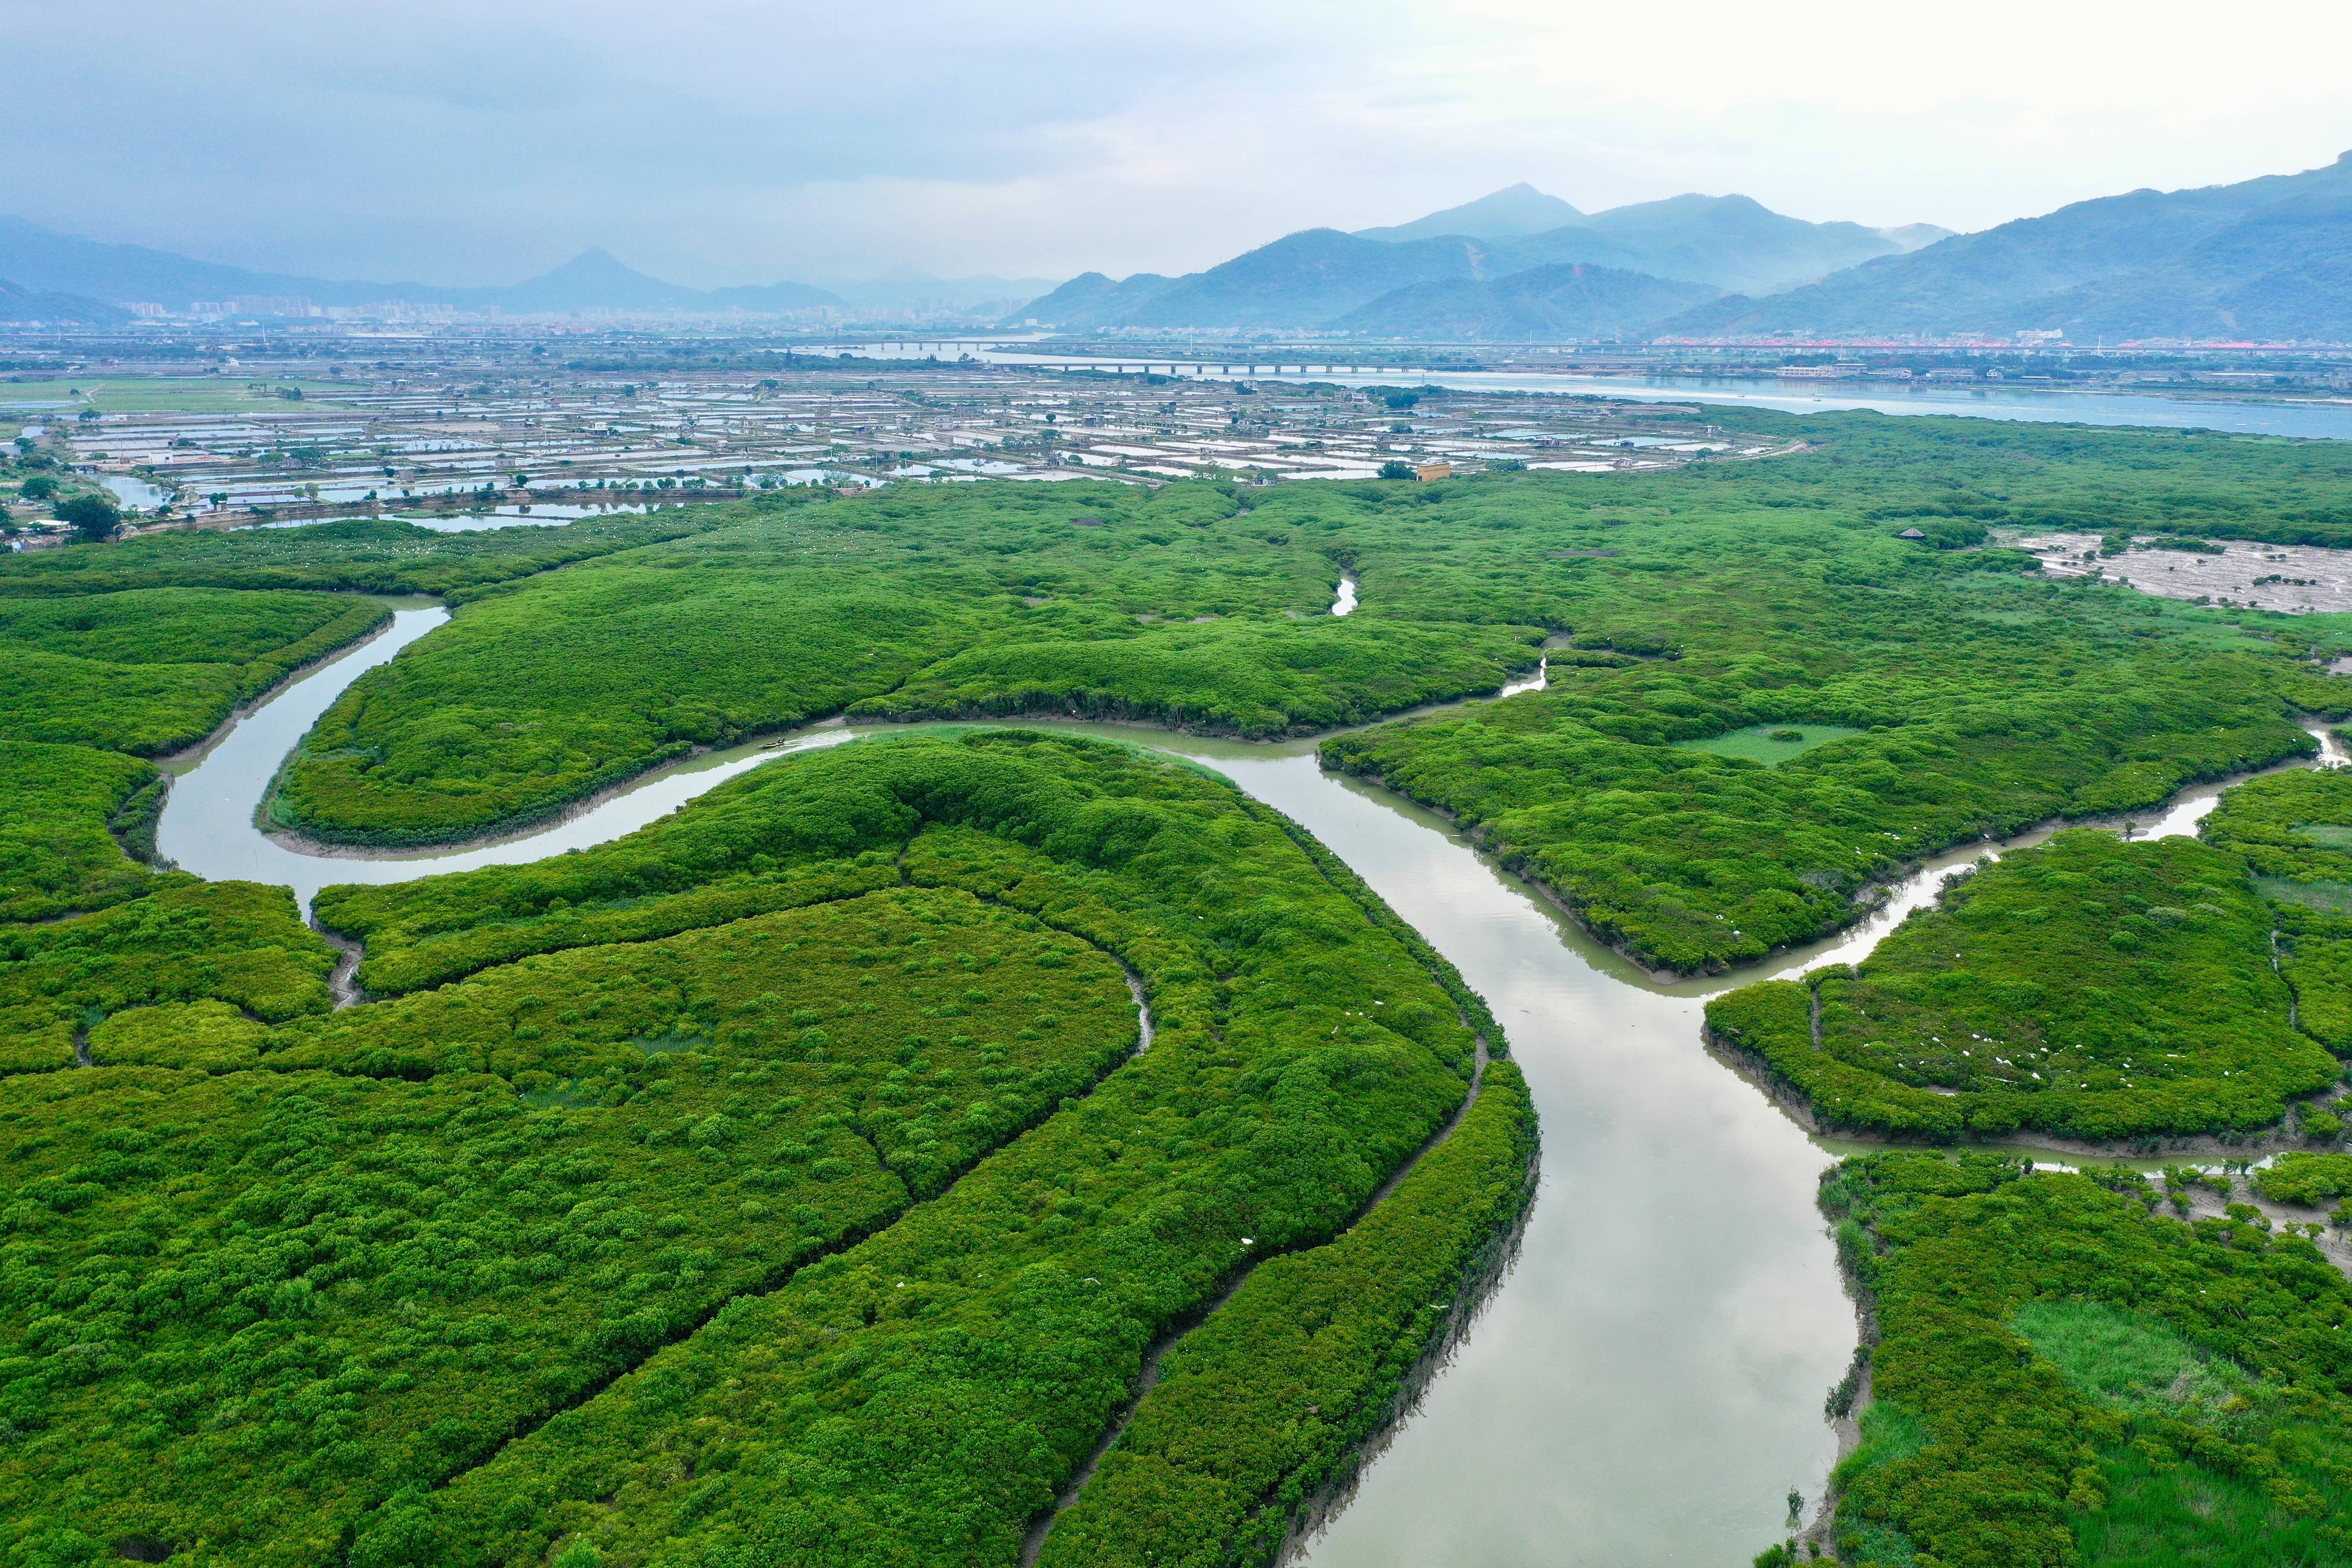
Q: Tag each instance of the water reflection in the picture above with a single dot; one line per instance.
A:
(136, 493)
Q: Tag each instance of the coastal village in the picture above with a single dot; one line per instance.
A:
(279, 443)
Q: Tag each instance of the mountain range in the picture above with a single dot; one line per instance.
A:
(1566, 300)
(39, 259)
(1318, 276)
(21, 303)
(1508, 214)
(2268, 259)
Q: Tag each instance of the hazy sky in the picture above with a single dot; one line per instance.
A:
(716, 141)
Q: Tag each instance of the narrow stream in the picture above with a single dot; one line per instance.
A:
(1535, 683)
(208, 828)
(1645, 1387)
(1343, 598)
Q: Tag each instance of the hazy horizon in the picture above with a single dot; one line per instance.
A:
(741, 144)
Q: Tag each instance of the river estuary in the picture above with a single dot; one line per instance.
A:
(1646, 1385)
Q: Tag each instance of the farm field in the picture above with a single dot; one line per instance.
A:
(60, 399)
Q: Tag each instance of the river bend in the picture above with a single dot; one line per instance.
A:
(1644, 1385)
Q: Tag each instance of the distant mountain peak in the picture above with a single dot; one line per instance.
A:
(1508, 214)
(593, 263)
(1917, 236)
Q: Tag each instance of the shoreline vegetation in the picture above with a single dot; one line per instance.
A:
(1093, 827)
(784, 1178)
(2110, 993)
(1960, 591)
(2058, 1373)
(1175, 609)
(2053, 1370)
(2103, 996)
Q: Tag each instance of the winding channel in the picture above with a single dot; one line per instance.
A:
(1644, 1387)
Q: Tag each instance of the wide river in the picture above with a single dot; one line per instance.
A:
(1645, 1385)
(2329, 418)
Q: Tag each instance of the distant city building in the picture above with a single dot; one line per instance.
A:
(256, 305)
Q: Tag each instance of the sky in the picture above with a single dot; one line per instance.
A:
(718, 141)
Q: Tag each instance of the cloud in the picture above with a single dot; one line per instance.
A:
(718, 141)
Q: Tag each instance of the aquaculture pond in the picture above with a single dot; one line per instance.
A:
(1644, 1385)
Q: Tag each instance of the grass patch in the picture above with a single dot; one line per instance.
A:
(2178, 1513)
(138, 394)
(565, 1094)
(2125, 1359)
(1890, 1431)
(2334, 897)
(1770, 744)
(1873, 1544)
